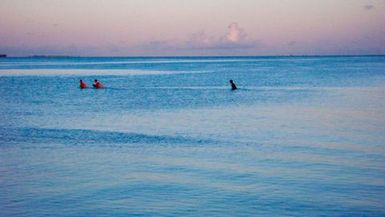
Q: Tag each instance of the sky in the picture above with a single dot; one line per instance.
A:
(192, 27)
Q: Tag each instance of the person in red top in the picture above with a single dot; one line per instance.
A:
(97, 84)
(82, 84)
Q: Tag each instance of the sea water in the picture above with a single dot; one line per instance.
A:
(302, 136)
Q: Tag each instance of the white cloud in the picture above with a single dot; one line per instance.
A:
(236, 33)
(235, 38)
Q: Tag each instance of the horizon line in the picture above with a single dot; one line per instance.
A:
(193, 56)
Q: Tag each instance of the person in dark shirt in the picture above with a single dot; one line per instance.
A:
(233, 86)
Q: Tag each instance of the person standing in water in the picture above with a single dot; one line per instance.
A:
(82, 84)
(97, 84)
(233, 86)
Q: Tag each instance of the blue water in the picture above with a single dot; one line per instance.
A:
(302, 136)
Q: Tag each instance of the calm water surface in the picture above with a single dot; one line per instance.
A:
(303, 136)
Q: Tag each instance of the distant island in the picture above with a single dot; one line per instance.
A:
(3, 55)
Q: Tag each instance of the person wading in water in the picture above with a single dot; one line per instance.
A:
(233, 86)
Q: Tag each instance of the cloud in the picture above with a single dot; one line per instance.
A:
(198, 40)
(236, 33)
(369, 7)
(234, 41)
(235, 38)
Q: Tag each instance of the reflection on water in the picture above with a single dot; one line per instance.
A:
(296, 143)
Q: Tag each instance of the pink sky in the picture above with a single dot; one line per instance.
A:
(186, 27)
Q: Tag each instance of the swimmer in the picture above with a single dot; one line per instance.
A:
(97, 84)
(233, 86)
(82, 84)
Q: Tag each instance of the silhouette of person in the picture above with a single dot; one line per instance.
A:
(82, 84)
(97, 84)
(233, 86)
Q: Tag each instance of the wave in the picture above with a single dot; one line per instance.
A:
(31, 135)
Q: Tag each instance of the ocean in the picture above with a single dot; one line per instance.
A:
(302, 136)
